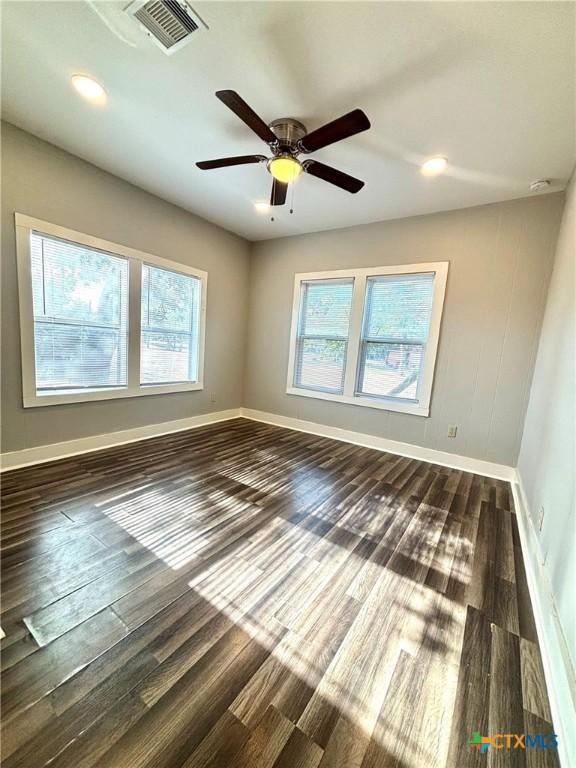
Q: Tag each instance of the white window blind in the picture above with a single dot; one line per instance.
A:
(394, 334)
(170, 326)
(80, 302)
(322, 340)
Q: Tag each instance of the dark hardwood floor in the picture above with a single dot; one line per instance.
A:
(244, 596)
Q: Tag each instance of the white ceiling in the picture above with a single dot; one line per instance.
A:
(488, 84)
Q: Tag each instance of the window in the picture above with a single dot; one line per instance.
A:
(80, 300)
(394, 334)
(368, 336)
(323, 334)
(170, 319)
(100, 320)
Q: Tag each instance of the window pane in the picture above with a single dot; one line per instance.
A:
(320, 364)
(74, 356)
(395, 331)
(390, 370)
(398, 307)
(80, 300)
(325, 309)
(324, 318)
(170, 326)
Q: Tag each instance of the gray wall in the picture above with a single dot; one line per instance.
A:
(42, 181)
(500, 262)
(547, 462)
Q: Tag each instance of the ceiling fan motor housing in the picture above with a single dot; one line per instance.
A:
(288, 132)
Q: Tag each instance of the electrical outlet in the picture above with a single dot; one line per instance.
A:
(540, 518)
(452, 430)
(213, 397)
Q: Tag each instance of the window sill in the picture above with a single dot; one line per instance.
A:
(86, 396)
(416, 409)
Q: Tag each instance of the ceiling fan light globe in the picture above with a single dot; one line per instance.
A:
(285, 168)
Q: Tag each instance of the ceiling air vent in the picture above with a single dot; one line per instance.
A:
(170, 23)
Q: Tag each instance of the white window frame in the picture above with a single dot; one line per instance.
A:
(25, 225)
(359, 276)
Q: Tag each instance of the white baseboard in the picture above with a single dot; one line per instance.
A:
(558, 668)
(452, 460)
(54, 451)
(44, 453)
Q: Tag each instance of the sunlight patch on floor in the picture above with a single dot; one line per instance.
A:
(292, 589)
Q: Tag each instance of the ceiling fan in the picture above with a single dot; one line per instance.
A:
(288, 138)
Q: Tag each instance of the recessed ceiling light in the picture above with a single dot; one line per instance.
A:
(434, 166)
(262, 207)
(89, 88)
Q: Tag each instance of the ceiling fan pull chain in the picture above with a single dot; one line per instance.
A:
(292, 198)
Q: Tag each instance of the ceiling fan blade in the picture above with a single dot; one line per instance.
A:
(278, 195)
(333, 176)
(341, 128)
(237, 104)
(224, 162)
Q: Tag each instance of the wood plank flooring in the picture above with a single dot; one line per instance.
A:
(244, 596)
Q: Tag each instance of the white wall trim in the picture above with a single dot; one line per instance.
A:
(558, 670)
(452, 460)
(54, 451)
